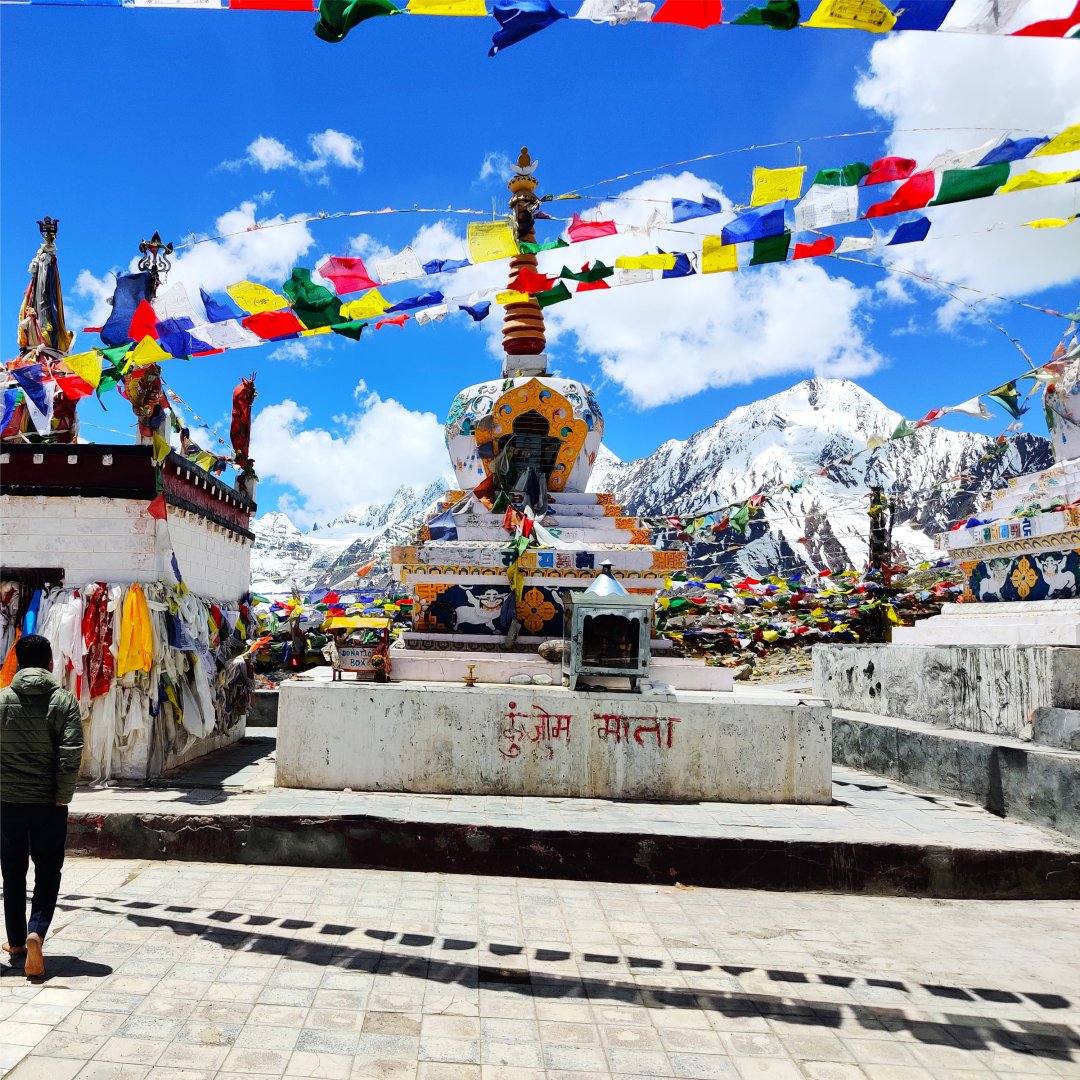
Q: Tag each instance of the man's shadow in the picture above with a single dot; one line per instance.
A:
(58, 967)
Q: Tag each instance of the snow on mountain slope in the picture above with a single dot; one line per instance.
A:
(779, 439)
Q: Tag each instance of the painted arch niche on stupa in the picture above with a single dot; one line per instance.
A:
(557, 420)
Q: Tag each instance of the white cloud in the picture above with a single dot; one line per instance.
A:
(296, 352)
(263, 250)
(334, 471)
(495, 164)
(328, 148)
(962, 90)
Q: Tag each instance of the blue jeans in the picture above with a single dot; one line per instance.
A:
(35, 831)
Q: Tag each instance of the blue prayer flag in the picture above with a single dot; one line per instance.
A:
(910, 232)
(755, 225)
(427, 299)
(442, 266)
(1012, 150)
(682, 267)
(685, 209)
(443, 527)
(131, 290)
(519, 19)
(922, 14)
(174, 337)
(215, 310)
(29, 380)
(10, 397)
(479, 312)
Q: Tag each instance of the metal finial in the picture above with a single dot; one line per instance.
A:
(155, 260)
(49, 228)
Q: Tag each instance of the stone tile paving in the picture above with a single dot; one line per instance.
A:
(195, 971)
(865, 809)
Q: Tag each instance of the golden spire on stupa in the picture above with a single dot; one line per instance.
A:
(523, 323)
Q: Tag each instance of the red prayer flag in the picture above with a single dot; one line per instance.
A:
(330, 598)
(889, 168)
(143, 322)
(529, 281)
(589, 230)
(929, 418)
(699, 13)
(270, 325)
(824, 246)
(156, 508)
(394, 320)
(347, 274)
(74, 387)
(1055, 28)
(910, 195)
(365, 569)
(589, 286)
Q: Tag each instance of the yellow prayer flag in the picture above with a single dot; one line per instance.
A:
(1033, 178)
(1048, 223)
(770, 635)
(206, 460)
(645, 262)
(87, 366)
(161, 449)
(255, 298)
(148, 351)
(448, 7)
(717, 256)
(316, 330)
(490, 240)
(366, 307)
(773, 184)
(512, 296)
(870, 15)
(1065, 143)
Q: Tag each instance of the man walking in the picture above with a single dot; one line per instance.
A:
(41, 741)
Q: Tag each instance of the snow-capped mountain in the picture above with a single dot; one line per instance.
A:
(790, 436)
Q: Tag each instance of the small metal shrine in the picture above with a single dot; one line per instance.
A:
(608, 631)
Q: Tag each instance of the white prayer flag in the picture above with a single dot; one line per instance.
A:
(854, 243)
(42, 420)
(228, 334)
(175, 303)
(615, 12)
(825, 205)
(634, 277)
(399, 267)
(971, 407)
(432, 314)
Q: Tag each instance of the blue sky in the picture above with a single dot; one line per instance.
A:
(118, 122)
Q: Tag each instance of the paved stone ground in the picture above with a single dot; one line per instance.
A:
(194, 971)
(866, 809)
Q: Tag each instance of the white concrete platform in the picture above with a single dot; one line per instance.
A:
(1040, 622)
(438, 738)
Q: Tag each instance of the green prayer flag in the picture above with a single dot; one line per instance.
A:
(597, 272)
(116, 354)
(771, 249)
(351, 329)
(845, 176)
(338, 17)
(554, 295)
(549, 245)
(903, 430)
(778, 14)
(678, 603)
(1008, 397)
(314, 305)
(957, 185)
(740, 519)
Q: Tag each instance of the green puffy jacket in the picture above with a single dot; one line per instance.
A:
(41, 740)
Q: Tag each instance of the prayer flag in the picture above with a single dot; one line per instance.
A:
(854, 243)
(771, 185)
(175, 303)
(637, 277)
(923, 14)
(271, 325)
(613, 12)
(176, 337)
(825, 205)
(394, 320)
(351, 329)
(645, 262)
(368, 306)
(718, 257)
(587, 273)
(10, 397)
(86, 365)
(1048, 222)
(845, 176)
(444, 266)
(590, 286)
(448, 7)
(1064, 143)
(512, 296)
(531, 248)
(696, 13)
(777, 14)
(959, 185)
(161, 450)
(491, 240)
(910, 232)
(254, 298)
(1008, 397)
(825, 246)
(477, 312)
(1033, 178)
(519, 19)
(347, 274)
(338, 17)
(228, 334)
(771, 249)
(887, 169)
(37, 394)
(400, 267)
(682, 267)
(146, 352)
(1013, 150)
(215, 310)
(529, 281)
(143, 322)
(157, 507)
(687, 209)
(427, 299)
(971, 407)
(754, 225)
(912, 194)
(1069, 26)
(131, 290)
(432, 314)
(589, 230)
(553, 296)
(870, 15)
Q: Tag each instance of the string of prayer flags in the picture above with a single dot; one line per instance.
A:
(254, 298)
(777, 14)
(1033, 178)
(400, 267)
(663, 261)
(348, 274)
(870, 15)
(687, 209)
(913, 194)
(519, 19)
(369, 306)
(910, 232)
(771, 185)
(338, 17)
(696, 13)
(754, 225)
(579, 230)
(959, 185)
(490, 240)
(825, 205)
(717, 257)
